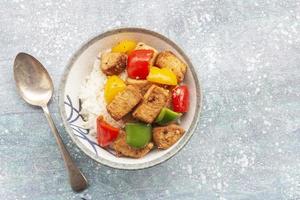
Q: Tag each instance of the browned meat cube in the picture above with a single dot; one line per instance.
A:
(166, 136)
(169, 102)
(113, 63)
(142, 85)
(169, 60)
(123, 149)
(141, 45)
(154, 100)
(124, 102)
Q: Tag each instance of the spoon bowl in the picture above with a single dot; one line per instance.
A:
(32, 80)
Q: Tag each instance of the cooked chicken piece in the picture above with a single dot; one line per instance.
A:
(142, 85)
(166, 136)
(113, 63)
(169, 60)
(154, 100)
(142, 45)
(124, 102)
(169, 102)
(123, 149)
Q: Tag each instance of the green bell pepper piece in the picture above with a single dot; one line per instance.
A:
(138, 135)
(167, 115)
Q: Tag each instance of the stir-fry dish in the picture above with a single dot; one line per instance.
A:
(144, 99)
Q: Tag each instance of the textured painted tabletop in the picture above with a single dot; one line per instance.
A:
(247, 144)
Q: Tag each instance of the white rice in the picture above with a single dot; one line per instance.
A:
(92, 99)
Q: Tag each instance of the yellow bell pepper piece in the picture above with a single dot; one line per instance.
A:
(113, 86)
(162, 76)
(124, 46)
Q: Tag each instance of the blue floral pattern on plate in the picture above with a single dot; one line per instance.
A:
(80, 132)
(74, 117)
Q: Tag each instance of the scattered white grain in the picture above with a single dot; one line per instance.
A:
(267, 123)
(219, 186)
(189, 169)
(203, 178)
(167, 192)
(243, 161)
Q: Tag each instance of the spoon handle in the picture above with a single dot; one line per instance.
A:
(77, 180)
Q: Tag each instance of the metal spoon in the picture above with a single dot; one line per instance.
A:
(36, 88)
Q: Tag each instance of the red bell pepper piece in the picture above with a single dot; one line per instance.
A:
(138, 63)
(180, 99)
(106, 133)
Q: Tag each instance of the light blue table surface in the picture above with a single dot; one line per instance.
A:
(247, 144)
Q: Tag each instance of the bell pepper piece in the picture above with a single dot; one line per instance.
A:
(180, 99)
(113, 86)
(167, 115)
(138, 135)
(138, 63)
(162, 76)
(124, 46)
(106, 133)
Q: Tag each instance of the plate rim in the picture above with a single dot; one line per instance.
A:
(62, 111)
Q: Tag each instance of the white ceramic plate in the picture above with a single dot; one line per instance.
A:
(81, 65)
